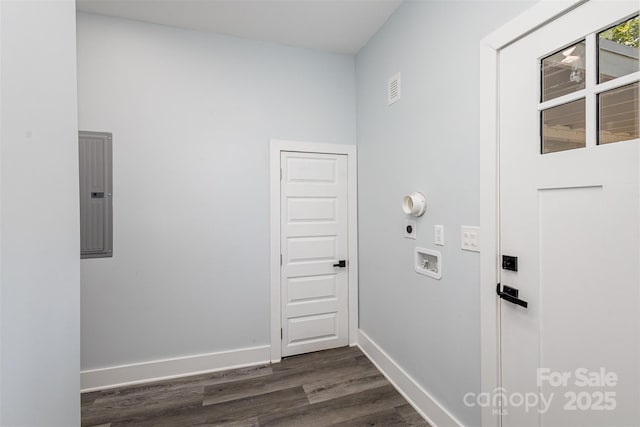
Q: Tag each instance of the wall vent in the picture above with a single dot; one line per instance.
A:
(393, 90)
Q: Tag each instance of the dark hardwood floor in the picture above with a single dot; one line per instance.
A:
(338, 387)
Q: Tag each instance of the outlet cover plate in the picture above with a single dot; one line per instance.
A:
(410, 223)
(470, 238)
(438, 233)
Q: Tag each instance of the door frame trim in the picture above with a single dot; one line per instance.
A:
(533, 18)
(276, 147)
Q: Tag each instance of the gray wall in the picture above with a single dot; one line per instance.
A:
(191, 115)
(427, 142)
(39, 229)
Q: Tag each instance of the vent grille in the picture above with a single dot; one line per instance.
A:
(393, 90)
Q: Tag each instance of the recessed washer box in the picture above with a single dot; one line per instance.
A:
(428, 262)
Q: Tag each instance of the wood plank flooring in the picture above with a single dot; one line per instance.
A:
(338, 387)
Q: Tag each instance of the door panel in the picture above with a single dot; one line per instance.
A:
(314, 238)
(304, 209)
(309, 249)
(311, 288)
(315, 329)
(572, 219)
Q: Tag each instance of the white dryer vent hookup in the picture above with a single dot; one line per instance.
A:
(414, 204)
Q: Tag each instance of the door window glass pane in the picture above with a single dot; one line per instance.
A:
(618, 51)
(619, 114)
(563, 72)
(563, 127)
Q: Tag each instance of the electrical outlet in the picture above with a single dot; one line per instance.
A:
(470, 238)
(410, 229)
(438, 233)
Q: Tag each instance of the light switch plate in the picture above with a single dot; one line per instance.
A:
(470, 238)
(410, 224)
(438, 233)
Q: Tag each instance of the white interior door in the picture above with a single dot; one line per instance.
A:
(570, 213)
(314, 282)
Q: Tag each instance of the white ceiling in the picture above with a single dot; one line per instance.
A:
(335, 25)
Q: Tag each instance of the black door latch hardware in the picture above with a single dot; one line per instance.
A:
(510, 294)
(510, 262)
(341, 263)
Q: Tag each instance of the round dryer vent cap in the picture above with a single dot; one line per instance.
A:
(414, 204)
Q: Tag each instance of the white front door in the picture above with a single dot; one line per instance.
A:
(570, 213)
(314, 245)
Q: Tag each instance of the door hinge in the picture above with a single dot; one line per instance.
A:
(280, 259)
(281, 334)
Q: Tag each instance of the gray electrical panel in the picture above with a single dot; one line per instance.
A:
(96, 194)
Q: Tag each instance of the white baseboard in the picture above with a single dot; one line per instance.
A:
(137, 373)
(417, 396)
